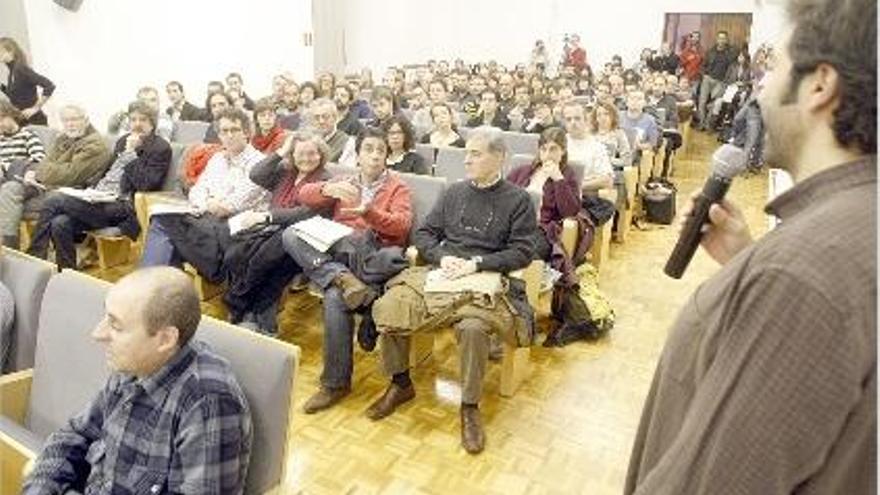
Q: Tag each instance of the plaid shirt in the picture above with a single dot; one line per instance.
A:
(185, 429)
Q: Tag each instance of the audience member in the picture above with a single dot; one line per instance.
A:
(180, 109)
(521, 111)
(584, 148)
(665, 61)
(289, 115)
(692, 58)
(140, 162)
(384, 104)
(19, 147)
(542, 119)
(223, 190)
(268, 135)
(375, 203)
(308, 92)
(78, 158)
(217, 104)
(444, 132)
(171, 417)
(489, 114)
(401, 143)
(235, 85)
(718, 59)
(641, 128)
(349, 123)
(119, 123)
(257, 267)
(22, 82)
(342, 146)
(326, 84)
(483, 224)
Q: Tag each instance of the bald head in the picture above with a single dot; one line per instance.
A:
(168, 298)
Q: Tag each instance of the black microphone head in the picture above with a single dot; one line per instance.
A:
(728, 161)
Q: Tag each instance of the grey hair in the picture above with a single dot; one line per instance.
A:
(492, 136)
(321, 102)
(74, 108)
(308, 136)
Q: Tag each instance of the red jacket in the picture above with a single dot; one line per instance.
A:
(691, 60)
(389, 215)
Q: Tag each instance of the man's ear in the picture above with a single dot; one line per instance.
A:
(169, 338)
(822, 88)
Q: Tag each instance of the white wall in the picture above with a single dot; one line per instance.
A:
(100, 55)
(379, 33)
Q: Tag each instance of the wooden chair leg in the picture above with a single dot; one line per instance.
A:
(112, 251)
(601, 245)
(26, 233)
(515, 368)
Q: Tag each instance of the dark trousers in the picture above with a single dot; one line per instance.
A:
(363, 256)
(63, 219)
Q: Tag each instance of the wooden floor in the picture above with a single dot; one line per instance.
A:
(570, 427)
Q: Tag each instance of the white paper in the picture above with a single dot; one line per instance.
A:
(480, 282)
(172, 208)
(89, 195)
(320, 232)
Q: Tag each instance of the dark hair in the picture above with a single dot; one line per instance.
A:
(385, 93)
(212, 95)
(554, 135)
(237, 115)
(265, 104)
(369, 132)
(348, 91)
(18, 56)
(7, 109)
(842, 34)
(612, 112)
(491, 92)
(313, 86)
(147, 111)
(409, 140)
(236, 75)
(175, 84)
(218, 83)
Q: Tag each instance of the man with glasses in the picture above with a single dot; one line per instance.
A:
(224, 189)
(483, 224)
(324, 117)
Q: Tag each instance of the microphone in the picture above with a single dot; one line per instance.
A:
(728, 161)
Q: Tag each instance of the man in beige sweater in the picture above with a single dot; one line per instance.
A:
(77, 158)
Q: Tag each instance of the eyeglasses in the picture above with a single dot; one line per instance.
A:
(231, 130)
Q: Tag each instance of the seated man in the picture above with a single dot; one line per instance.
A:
(482, 224)
(171, 418)
(235, 85)
(641, 128)
(324, 116)
(78, 158)
(140, 162)
(348, 123)
(180, 109)
(224, 189)
(542, 118)
(376, 204)
(490, 113)
(119, 123)
(585, 148)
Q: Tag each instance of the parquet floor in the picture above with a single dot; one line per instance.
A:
(569, 428)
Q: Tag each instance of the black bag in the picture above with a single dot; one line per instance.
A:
(659, 200)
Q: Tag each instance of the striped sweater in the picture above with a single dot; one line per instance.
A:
(23, 145)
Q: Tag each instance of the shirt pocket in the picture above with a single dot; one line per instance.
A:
(145, 481)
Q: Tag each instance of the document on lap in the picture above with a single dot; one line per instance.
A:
(321, 233)
(488, 283)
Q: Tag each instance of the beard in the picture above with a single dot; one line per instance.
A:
(784, 136)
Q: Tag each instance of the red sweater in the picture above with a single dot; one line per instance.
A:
(389, 215)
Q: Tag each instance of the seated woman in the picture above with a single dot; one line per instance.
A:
(444, 132)
(401, 157)
(268, 135)
(609, 133)
(257, 267)
(552, 178)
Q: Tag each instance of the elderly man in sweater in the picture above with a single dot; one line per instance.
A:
(77, 158)
(375, 203)
(483, 224)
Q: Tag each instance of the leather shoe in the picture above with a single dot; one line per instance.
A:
(472, 437)
(354, 292)
(393, 397)
(324, 399)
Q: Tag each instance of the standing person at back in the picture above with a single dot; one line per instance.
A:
(22, 83)
(715, 65)
(768, 381)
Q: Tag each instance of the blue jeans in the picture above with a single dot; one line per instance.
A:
(158, 249)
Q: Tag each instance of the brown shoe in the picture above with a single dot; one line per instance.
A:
(393, 397)
(354, 292)
(325, 398)
(472, 437)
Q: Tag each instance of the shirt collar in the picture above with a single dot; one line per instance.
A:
(157, 385)
(823, 185)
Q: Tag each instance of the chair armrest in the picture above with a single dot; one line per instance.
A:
(412, 255)
(15, 393)
(531, 275)
(631, 179)
(569, 236)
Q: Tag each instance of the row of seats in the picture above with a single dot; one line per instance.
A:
(61, 369)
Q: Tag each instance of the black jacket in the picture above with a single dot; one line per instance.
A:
(146, 172)
(21, 86)
(188, 112)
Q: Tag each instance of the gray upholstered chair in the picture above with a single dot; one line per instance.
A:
(522, 143)
(70, 368)
(450, 164)
(189, 131)
(26, 278)
(46, 134)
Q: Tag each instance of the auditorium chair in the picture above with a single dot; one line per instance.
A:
(450, 164)
(428, 153)
(521, 142)
(70, 368)
(26, 278)
(189, 131)
(46, 134)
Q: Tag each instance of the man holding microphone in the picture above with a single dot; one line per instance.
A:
(767, 383)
